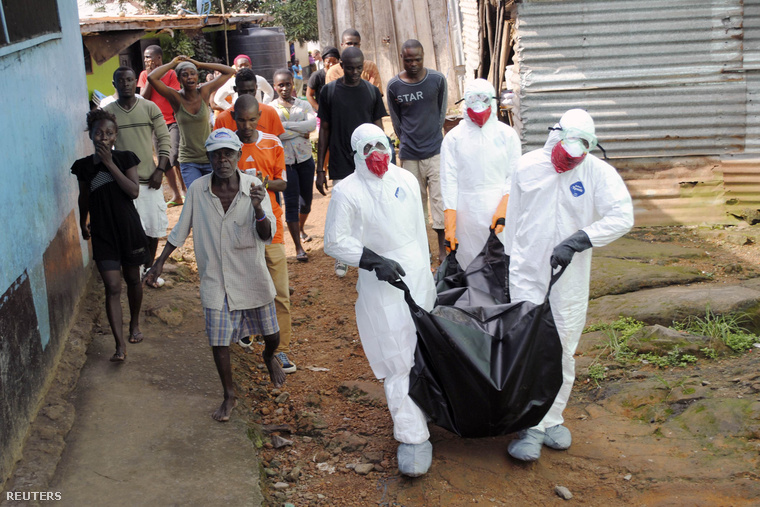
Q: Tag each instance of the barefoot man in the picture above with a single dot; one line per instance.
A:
(232, 220)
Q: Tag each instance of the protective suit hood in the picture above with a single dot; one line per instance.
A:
(477, 89)
(575, 121)
(364, 134)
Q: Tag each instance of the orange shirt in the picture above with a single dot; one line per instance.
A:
(269, 122)
(266, 155)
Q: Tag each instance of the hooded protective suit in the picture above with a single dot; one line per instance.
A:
(476, 170)
(385, 216)
(546, 207)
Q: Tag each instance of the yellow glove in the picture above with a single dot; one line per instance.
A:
(501, 212)
(450, 228)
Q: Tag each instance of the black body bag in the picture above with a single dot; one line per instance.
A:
(484, 366)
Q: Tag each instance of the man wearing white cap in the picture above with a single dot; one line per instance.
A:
(563, 201)
(231, 219)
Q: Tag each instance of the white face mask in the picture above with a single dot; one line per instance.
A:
(574, 148)
(366, 146)
(478, 102)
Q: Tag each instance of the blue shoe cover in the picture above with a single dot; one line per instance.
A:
(558, 437)
(415, 459)
(527, 445)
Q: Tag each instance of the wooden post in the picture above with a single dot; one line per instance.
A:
(226, 45)
(326, 23)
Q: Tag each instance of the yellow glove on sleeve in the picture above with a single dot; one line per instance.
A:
(501, 212)
(450, 228)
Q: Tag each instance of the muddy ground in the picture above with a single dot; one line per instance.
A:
(642, 436)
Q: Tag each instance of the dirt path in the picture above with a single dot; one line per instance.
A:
(337, 419)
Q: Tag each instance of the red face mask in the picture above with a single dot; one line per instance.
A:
(480, 118)
(562, 160)
(377, 163)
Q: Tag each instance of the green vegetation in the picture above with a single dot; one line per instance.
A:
(181, 44)
(298, 18)
(728, 329)
(709, 353)
(618, 334)
(672, 358)
(596, 372)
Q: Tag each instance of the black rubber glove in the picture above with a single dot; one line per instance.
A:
(563, 253)
(385, 269)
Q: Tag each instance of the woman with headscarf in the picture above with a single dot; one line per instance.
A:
(191, 110)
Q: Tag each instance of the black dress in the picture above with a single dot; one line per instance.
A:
(116, 231)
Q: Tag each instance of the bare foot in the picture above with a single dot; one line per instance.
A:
(275, 371)
(224, 411)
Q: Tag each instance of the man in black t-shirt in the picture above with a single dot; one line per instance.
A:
(345, 104)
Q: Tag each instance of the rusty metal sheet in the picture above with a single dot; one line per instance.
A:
(660, 78)
(752, 67)
(693, 190)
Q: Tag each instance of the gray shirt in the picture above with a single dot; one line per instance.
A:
(417, 112)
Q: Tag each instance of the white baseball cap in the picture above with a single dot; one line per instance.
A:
(223, 138)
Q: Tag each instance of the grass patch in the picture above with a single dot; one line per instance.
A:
(618, 333)
(729, 329)
(596, 372)
(673, 358)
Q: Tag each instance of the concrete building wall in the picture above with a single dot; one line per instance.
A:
(43, 260)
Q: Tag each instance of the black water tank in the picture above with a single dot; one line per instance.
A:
(266, 47)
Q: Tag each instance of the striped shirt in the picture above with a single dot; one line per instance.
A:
(228, 250)
(136, 128)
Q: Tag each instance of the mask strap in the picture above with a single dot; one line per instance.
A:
(604, 152)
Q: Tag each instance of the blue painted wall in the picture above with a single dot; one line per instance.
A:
(43, 103)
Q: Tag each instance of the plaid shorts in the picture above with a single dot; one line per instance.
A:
(224, 326)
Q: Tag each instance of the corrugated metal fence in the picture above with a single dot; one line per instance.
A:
(661, 78)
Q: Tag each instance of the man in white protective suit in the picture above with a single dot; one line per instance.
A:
(478, 157)
(375, 221)
(563, 202)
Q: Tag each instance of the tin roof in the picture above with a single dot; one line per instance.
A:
(91, 26)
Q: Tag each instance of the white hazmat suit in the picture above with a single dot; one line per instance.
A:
(545, 208)
(476, 170)
(385, 215)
